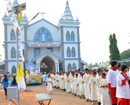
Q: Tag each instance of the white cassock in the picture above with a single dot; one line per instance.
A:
(72, 85)
(65, 81)
(68, 84)
(88, 86)
(98, 88)
(123, 89)
(62, 84)
(77, 89)
(54, 80)
(49, 86)
(57, 81)
(85, 85)
(81, 86)
(105, 97)
(93, 88)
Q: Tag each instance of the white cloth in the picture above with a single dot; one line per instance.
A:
(81, 86)
(57, 81)
(72, 84)
(105, 98)
(68, 84)
(93, 88)
(112, 77)
(85, 85)
(43, 78)
(77, 89)
(62, 83)
(122, 91)
(49, 86)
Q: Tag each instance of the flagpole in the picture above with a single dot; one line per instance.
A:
(19, 102)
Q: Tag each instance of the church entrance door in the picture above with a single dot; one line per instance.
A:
(47, 65)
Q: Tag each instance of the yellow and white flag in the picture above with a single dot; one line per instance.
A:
(20, 78)
(20, 17)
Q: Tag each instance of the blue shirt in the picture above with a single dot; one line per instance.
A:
(5, 83)
(14, 85)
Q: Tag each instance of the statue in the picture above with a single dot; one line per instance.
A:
(43, 37)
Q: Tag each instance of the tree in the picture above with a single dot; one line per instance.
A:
(125, 54)
(114, 52)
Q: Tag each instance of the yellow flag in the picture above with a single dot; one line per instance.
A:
(19, 17)
(19, 73)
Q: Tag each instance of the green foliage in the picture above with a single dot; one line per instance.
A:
(114, 52)
(125, 54)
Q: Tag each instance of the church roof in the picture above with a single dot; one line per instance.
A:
(42, 20)
(47, 51)
(83, 62)
(67, 13)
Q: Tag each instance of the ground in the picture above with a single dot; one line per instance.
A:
(58, 97)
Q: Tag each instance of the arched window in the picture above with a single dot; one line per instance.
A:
(67, 36)
(12, 35)
(69, 67)
(72, 36)
(73, 52)
(74, 66)
(13, 53)
(68, 52)
(13, 70)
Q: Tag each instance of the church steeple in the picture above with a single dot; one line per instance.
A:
(67, 13)
(15, 3)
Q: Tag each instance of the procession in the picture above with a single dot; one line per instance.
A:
(72, 53)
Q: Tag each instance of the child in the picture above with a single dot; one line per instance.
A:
(105, 98)
(93, 83)
(82, 88)
(68, 84)
(49, 84)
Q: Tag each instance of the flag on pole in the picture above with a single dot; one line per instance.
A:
(20, 78)
(19, 17)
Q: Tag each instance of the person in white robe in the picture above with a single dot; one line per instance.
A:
(57, 81)
(82, 88)
(68, 83)
(85, 83)
(54, 80)
(89, 85)
(62, 83)
(93, 82)
(72, 84)
(105, 98)
(76, 84)
(123, 89)
(98, 86)
(49, 84)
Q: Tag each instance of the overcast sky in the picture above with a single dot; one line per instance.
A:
(98, 18)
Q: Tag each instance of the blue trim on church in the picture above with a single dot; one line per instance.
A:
(45, 21)
(48, 52)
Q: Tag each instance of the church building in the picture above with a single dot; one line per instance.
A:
(50, 47)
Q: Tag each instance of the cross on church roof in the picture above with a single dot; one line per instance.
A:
(42, 14)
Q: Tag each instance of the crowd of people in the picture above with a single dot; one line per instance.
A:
(104, 86)
(7, 81)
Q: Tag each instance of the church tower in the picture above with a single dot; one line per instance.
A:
(10, 38)
(70, 42)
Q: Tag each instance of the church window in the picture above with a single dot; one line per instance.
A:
(67, 36)
(73, 52)
(13, 53)
(13, 70)
(12, 35)
(69, 67)
(68, 52)
(37, 52)
(72, 36)
(50, 49)
(74, 66)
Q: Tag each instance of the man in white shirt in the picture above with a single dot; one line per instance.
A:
(112, 75)
(123, 91)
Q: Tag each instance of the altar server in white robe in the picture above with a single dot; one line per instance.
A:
(123, 89)
(57, 81)
(54, 80)
(49, 84)
(68, 83)
(89, 85)
(105, 98)
(85, 83)
(76, 82)
(81, 85)
(62, 83)
(73, 84)
(98, 86)
(93, 82)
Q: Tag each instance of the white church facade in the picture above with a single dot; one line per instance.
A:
(48, 46)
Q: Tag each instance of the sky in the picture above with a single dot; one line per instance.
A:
(98, 18)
